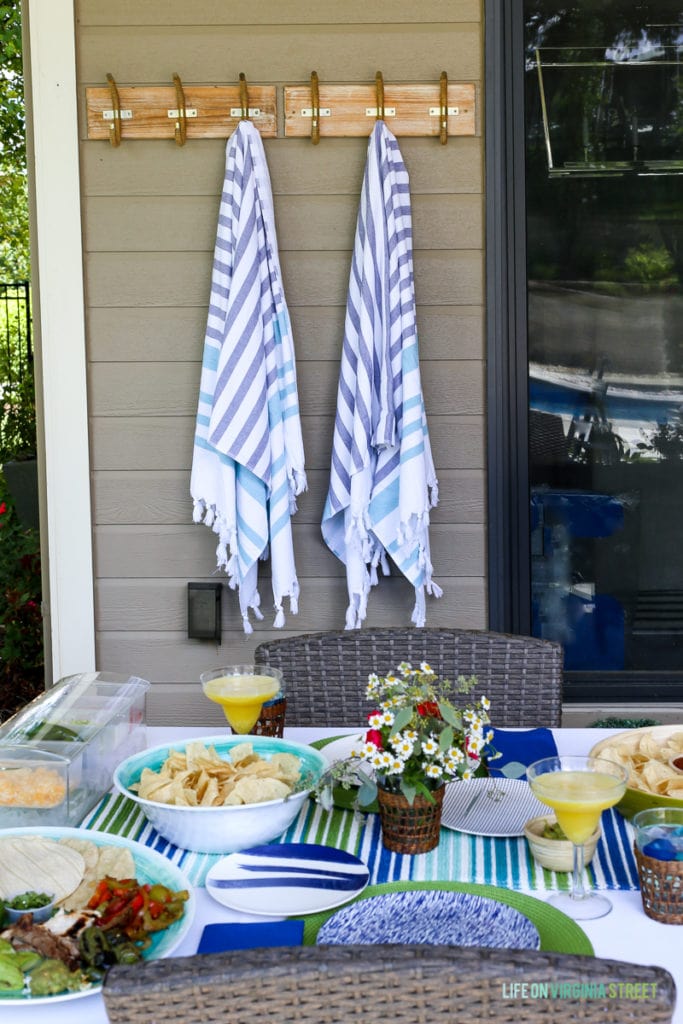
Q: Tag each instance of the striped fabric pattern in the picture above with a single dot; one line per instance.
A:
(382, 478)
(248, 458)
(458, 857)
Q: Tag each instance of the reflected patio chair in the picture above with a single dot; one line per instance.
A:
(381, 983)
(326, 673)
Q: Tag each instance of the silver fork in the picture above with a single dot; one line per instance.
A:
(512, 770)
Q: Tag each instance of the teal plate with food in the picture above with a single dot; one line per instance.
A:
(142, 919)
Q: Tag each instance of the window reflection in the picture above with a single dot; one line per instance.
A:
(605, 330)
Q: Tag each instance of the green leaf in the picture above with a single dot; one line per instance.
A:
(450, 715)
(401, 720)
(408, 791)
(446, 738)
(367, 793)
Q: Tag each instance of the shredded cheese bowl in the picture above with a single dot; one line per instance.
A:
(221, 794)
(32, 784)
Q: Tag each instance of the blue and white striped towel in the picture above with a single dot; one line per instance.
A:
(382, 478)
(248, 460)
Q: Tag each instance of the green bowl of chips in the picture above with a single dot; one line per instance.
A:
(647, 754)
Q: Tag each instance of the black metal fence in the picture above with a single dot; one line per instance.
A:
(16, 345)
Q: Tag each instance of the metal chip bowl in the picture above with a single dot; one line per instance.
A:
(222, 829)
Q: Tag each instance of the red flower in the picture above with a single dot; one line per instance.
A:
(3, 508)
(374, 736)
(429, 709)
(470, 754)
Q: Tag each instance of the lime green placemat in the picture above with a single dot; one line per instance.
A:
(558, 932)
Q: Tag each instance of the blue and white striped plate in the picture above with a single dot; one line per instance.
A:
(287, 878)
(437, 917)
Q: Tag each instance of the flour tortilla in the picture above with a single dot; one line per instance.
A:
(100, 862)
(32, 863)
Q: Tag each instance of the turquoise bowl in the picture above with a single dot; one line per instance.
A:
(222, 829)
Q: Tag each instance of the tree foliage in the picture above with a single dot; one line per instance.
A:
(14, 232)
(12, 123)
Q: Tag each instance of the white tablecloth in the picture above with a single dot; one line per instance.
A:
(624, 934)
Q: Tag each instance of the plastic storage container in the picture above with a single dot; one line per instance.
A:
(58, 754)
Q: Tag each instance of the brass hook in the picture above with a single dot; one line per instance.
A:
(315, 109)
(181, 123)
(379, 88)
(443, 109)
(244, 97)
(115, 126)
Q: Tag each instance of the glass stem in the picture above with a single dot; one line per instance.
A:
(578, 891)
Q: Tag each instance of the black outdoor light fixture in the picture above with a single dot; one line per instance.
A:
(204, 611)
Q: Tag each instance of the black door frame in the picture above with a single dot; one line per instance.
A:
(509, 583)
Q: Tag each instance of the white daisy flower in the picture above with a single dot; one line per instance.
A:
(474, 745)
(401, 745)
(387, 718)
(467, 775)
(433, 771)
(430, 747)
(376, 721)
(404, 668)
(396, 767)
(455, 754)
(426, 668)
(485, 703)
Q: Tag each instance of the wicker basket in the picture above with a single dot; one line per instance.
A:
(410, 828)
(271, 721)
(661, 887)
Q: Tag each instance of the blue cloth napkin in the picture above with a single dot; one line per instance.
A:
(216, 938)
(519, 749)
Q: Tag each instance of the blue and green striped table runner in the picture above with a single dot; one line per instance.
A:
(459, 857)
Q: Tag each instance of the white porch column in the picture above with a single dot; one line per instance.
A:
(58, 276)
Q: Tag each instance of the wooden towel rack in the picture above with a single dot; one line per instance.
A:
(155, 112)
(314, 110)
(334, 111)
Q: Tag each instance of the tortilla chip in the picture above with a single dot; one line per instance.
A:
(256, 791)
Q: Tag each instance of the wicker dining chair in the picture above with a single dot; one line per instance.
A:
(326, 674)
(381, 983)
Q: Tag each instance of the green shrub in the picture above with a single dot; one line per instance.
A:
(648, 263)
(21, 620)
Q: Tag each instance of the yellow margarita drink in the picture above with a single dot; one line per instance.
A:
(578, 799)
(241, 697)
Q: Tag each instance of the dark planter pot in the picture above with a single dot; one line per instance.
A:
(22, 482)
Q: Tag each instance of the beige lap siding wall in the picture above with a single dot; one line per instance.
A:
(149, 213)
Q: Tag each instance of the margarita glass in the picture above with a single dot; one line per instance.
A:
(578, 789)
(242, 690)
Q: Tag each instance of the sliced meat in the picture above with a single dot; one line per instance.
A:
(24, 934)
(56, 938)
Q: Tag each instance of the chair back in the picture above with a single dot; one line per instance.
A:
(326, 673)
(380, 983)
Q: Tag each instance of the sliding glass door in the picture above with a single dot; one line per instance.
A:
(602, 164)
